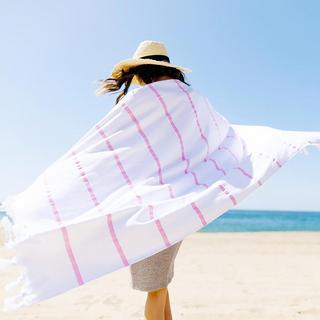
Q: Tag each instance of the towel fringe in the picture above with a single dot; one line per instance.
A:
(9, 241)
(24, 296)
(6, 263)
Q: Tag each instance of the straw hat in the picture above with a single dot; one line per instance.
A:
(148, 52)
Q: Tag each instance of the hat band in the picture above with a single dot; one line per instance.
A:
(158, 57)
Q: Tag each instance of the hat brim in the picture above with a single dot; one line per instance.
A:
(125, 65)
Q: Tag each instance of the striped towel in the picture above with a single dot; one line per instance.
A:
(159, 166)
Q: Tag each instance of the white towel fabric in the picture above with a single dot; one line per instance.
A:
(159, 166)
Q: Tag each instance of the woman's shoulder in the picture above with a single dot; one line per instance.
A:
(172, 86)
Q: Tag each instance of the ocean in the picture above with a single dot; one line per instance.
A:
(262, 220)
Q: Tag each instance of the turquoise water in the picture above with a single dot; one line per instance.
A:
(262, 220)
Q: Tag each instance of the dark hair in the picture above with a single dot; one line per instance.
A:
(147, 73)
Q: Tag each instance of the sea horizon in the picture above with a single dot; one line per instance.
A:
(255, 220)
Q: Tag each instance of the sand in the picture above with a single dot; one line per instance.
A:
(263, 275)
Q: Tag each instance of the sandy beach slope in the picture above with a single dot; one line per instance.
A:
(225, 276)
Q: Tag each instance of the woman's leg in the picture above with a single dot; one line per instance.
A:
(167, 308)
(155, 304)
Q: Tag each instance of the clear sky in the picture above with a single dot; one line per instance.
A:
(257, 61)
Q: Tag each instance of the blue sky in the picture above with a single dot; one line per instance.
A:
(257, 61)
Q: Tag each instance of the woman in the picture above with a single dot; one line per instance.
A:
(154, 273)
(159, 166)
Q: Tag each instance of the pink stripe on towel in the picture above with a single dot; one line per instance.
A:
(97, 205)
(64, 232)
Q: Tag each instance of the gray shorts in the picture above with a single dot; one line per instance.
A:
(156, 271)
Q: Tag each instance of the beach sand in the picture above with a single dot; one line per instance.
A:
(247, 275)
